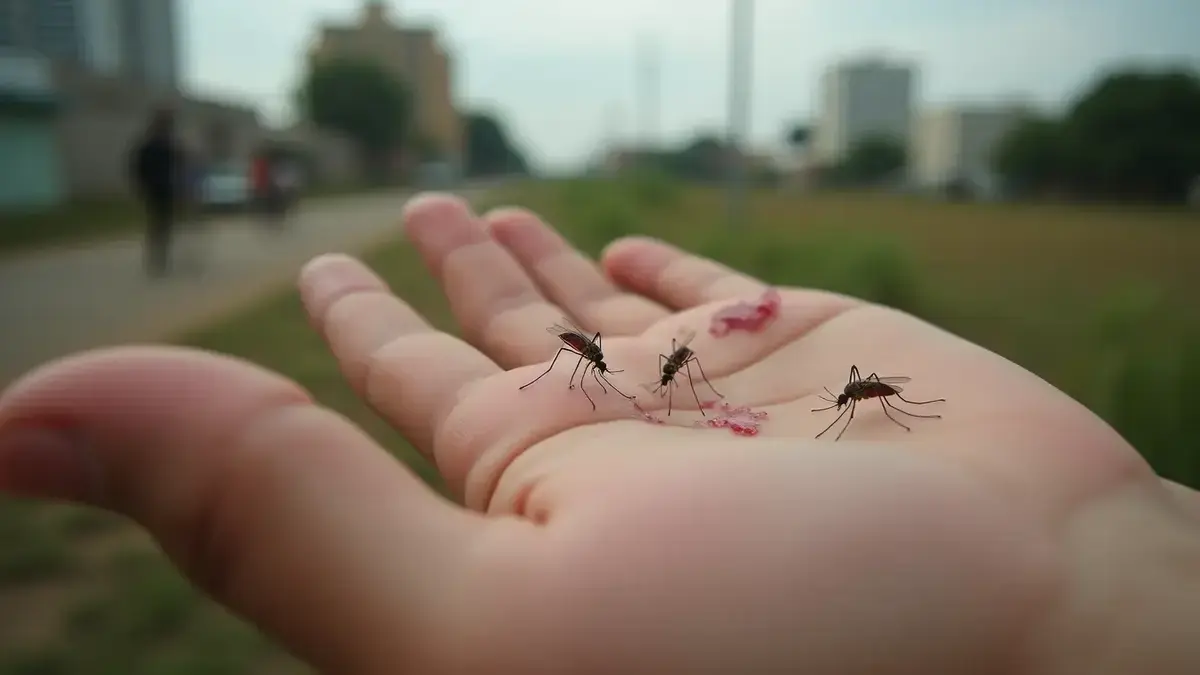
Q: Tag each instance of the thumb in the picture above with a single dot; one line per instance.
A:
(280, 509)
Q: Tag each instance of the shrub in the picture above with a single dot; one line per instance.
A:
(653, 189)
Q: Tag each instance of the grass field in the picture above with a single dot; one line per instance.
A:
(1096, 301)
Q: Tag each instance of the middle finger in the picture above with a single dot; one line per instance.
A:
(499, 307)
(570, 278)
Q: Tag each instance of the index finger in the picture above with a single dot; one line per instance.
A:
(410, 373)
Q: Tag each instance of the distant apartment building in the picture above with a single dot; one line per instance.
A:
(859, 99)
(135, 40)
(957, 143)
(412, 54)
(150, 41)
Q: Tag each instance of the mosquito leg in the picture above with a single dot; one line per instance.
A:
(714, 389)
(853, 405)
(571, 384)
(583, 388)
(924, 417)
(614, 387)
(597, 378)
(854, 375)
(936, 400)
(552, 362)
(889, 415)
(835, 421)
(692, 384)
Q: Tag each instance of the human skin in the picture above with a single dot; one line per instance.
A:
(1017, 534)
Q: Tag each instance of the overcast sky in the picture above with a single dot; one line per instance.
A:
(562, 72)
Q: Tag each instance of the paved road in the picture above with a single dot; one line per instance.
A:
(57, 302)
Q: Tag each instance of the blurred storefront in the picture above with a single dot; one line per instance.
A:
(30, 170)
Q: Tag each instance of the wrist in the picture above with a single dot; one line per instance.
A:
(1131, 597)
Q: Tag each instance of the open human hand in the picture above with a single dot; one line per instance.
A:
(591, 540)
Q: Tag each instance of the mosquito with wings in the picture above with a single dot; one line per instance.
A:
(680, 358)
(873, 386)
(589, 349)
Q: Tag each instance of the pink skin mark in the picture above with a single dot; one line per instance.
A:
(741, 420)
(748, 316)
(652, 419)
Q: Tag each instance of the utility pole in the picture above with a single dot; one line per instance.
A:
(741, 50)
(649, 79)
(610, 142)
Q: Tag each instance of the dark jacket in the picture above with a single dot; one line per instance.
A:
(157, 168)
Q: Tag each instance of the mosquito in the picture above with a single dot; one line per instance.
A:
(587, 349)
(680, 358)
(873, 386)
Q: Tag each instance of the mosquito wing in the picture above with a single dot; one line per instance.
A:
(893, 382)
(684, 337)
(571, 334)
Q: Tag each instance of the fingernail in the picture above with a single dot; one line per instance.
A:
(46, 464)
(331, 275)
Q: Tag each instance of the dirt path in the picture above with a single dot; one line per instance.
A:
(57, 302)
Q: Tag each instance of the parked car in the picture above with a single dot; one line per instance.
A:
(437, 175)
(226, 188)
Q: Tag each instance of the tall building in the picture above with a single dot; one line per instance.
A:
(957, 143)
(859, 99)
(150, 44)
(412, 54)
(134, 39)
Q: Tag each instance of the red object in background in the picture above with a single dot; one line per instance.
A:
(259, 175)
(747, 316)
(741, 420)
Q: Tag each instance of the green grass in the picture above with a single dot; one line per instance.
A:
(80, 222)
(30, 550)
(1096, 301)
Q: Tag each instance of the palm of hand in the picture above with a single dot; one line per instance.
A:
(616, 545)
(959, 508)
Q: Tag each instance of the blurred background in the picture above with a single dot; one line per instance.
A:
(1025, 174)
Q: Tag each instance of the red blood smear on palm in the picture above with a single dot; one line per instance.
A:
(741, 420)
(748, 316)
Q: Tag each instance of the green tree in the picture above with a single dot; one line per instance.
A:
(362, 100)
(1132, 135)
(1029, 158)
(489, 149)
(705, 158)
(871, 160)
(1136, 134)
(799, 135)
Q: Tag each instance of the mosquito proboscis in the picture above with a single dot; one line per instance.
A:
(588, 349)
(859, 388)
(681, 358)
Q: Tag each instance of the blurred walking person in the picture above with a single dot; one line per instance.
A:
(157, 165)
